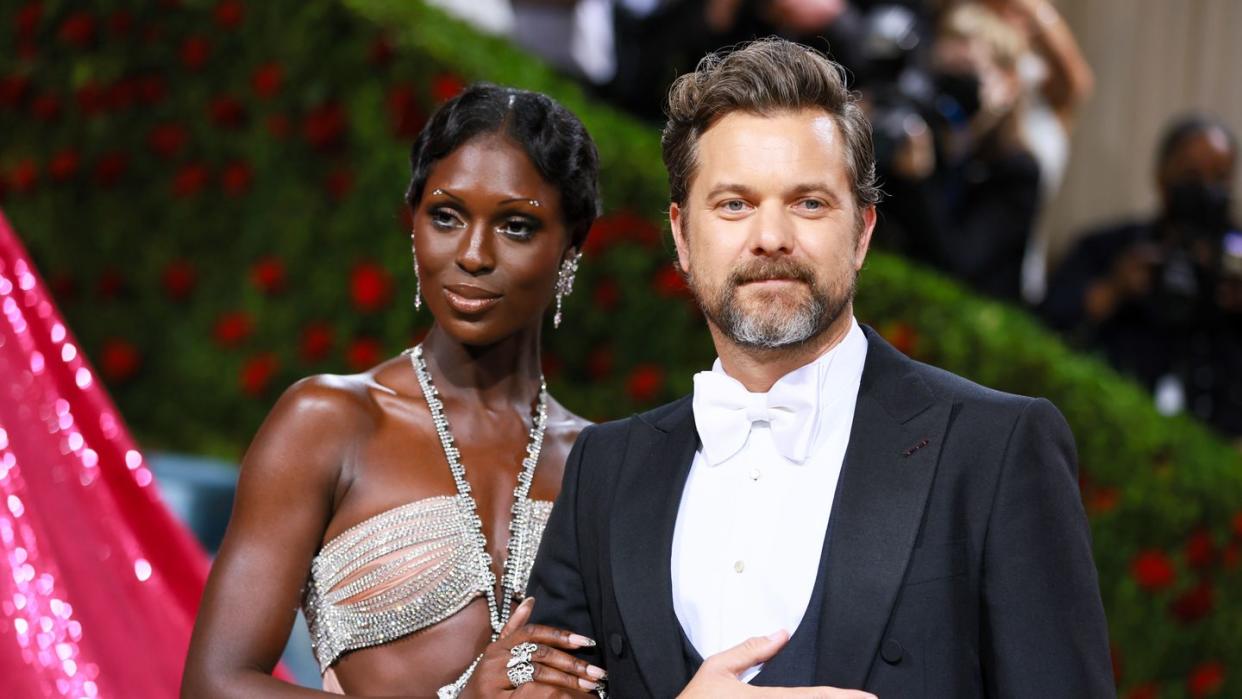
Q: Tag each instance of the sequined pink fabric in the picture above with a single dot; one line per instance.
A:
(98, 582)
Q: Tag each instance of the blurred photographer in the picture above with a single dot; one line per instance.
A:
(963, 185)
(1163, 298)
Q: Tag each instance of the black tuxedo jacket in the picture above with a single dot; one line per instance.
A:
(959, 558)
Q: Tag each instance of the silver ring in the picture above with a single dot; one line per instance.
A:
(521, 653)
(521, 673)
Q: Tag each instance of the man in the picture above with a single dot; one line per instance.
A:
(867, 522)
(1162, 298)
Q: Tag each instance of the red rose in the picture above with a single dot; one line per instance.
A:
(28, 18)
(599, 363)
(403, 112)
(316, 342)
(90, 98)
(179, 279)
(122, 94)
(370, 286)
(324, 126)
(1152, 570)
(235, 179)
(381, 51)
(1194, 604)
(1200, 550)
(607, 294)
(339, 183)
(111, 168)
(190, 180)
(150, 89)
(669, 282)
(278, 126)
(226, 112)
(644, 382)
(1102, 500)
(266, 79)
(622, 226)
(229, 13)
(64, 165)
(120, 23)
(166, 140)
(12, 89)
(900, 335)
(1206, 679)
(25, 176)
(446, 86)
(110, 283)
(45, 107)
(152, 34)
(257, 372)
(78, 29)
(1231, 556)
(194, 52)
(233, 328)
(268, 274)
(1237, 524)
(363, 353)
(1143, 691)
(551, 365)
(119, 360)
(1114, 654)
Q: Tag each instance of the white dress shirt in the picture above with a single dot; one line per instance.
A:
(751, 525)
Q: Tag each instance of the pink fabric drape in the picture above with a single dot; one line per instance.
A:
(98, 582)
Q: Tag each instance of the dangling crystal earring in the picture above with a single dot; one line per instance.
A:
(418, 283)
(565, 283)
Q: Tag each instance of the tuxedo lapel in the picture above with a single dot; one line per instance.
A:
(885, 480)
(657, 462)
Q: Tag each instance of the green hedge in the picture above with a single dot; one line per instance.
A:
(213, 189)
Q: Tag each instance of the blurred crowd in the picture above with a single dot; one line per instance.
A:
(973, 103)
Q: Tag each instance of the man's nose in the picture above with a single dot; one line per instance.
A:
(773, 230)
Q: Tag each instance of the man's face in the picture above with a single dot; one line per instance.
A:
(770, 236)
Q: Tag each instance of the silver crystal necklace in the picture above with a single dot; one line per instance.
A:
(498, 612)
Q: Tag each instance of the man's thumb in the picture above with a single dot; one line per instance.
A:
(749, 653)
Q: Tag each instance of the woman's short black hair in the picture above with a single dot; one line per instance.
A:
(552, 137)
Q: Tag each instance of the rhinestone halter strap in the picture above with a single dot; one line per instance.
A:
(498, 613)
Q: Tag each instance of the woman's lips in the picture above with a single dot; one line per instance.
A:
(468, 299)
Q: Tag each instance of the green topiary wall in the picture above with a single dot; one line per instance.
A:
(213, 189)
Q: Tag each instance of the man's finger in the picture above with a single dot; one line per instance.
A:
(748, 653)
(829, 693)
(519, 617)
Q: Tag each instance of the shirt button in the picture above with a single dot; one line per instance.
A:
(754, 474)
(739, 566)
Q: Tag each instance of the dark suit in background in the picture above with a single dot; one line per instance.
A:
(958, 558)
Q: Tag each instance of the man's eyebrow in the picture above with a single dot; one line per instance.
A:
(730, 187)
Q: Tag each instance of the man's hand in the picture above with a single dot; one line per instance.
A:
(718, 677)
(557, 673)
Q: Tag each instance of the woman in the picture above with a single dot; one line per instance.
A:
(358, 498)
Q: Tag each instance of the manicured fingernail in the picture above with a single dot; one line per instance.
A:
(596, 672)
(581, 641)
(587, 684)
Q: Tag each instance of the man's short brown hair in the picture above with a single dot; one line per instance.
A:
(764, 77)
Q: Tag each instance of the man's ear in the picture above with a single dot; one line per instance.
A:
(864, 236)
(677, 223)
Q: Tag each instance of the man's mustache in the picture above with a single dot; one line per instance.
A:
(766, 269)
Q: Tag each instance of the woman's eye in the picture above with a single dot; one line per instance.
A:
(518, 228)
(442, 218)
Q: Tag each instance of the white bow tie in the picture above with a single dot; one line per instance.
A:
(724, 412)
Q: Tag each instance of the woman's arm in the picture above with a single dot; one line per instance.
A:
(289, 479)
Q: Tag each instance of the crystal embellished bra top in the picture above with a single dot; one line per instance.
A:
(405, 569)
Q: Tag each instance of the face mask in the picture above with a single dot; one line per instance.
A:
(957, 96)
(1200, 205)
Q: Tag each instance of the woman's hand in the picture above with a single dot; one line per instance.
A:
(556, 672)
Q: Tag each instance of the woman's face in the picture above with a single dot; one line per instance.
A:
(490, 239)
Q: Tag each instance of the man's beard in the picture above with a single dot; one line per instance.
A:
(780, 322)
